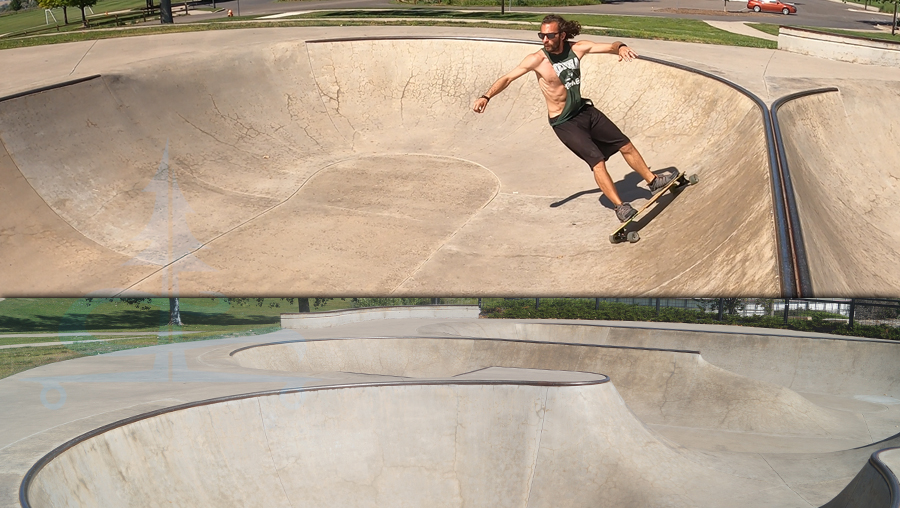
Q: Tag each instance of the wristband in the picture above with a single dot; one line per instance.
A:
(485, 97)
(616, 46)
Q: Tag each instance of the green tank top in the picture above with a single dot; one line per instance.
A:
(568, 68)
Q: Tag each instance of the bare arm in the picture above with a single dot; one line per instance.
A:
(616, 48)
(529, 64)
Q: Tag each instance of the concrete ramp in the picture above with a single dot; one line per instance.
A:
(841, 148)
(844, 366)
(875, 486)
(663, 387)
(518, 444)
(327, 168)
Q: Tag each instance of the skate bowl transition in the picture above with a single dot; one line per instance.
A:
(840, 146)
(494, 413)
(358, 166)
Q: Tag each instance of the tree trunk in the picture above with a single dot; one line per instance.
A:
(66, 14)
(174, 313)
(303, 303)
(83, 18)
(165, 12)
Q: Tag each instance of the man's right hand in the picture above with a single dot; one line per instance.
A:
(480, 104)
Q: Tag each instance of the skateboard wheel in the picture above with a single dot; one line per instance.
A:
(633, 236)
(612, 239)
(694, 179)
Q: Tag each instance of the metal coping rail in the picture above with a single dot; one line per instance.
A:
(890, 476)
(790, 284)
(790, 198)
(523, 341)
(48, 87)
(59, 450)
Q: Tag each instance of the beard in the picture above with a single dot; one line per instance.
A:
(555, 45)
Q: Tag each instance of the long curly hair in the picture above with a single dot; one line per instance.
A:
(571, 28)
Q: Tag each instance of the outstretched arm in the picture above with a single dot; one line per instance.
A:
(616, 48)
(529, 64)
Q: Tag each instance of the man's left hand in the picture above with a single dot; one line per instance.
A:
(627, 54)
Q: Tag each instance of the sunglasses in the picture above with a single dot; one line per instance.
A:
(551, 35)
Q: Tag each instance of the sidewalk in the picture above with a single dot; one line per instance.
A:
(740, 28)
(117, 336)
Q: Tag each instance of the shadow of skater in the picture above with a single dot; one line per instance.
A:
(628, 187)
(574, 196)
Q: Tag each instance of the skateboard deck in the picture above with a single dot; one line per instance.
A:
(621, 234)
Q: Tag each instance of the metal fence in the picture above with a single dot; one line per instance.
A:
(853, 311)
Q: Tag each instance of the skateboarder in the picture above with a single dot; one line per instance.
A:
(578, 124)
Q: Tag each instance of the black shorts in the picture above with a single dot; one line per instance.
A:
(591, 136)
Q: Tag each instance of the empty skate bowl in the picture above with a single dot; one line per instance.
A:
(358, 166)
(537, 415)
(504, 444)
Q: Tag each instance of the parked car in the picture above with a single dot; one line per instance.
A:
(771, 6)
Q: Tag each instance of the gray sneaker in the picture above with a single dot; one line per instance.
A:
(625, 212)
(661, 181)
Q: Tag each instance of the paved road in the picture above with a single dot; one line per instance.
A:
(815, 13)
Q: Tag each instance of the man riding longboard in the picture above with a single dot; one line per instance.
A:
(578, 124)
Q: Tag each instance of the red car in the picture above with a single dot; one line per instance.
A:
(771, 6)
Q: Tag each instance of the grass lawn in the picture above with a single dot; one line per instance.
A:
(886, 6)
(32, 18)
(71, 315)
(15, 360)
(768, 28)
(212, 318)
(684, 30)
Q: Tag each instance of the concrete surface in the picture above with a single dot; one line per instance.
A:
(840, 148)
(688, 429)
(738, 27)
(871, 487)
(835, 47)
(268, 155)
(669, 388)
(281, 160)
(306, 320)
(456, 445)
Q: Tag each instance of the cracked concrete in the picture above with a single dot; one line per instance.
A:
(250, 118)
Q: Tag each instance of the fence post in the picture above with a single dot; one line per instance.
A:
(721, 308)
(596, 304)
(537, 303)
(480, 306)
(657, 306)
(787, 306)
(852, 310)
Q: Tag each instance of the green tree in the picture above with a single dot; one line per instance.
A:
(15, 5)
(144, 304)
(302, 303)
(53, 4)
(82, 4)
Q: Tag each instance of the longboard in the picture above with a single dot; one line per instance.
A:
(622, 234)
